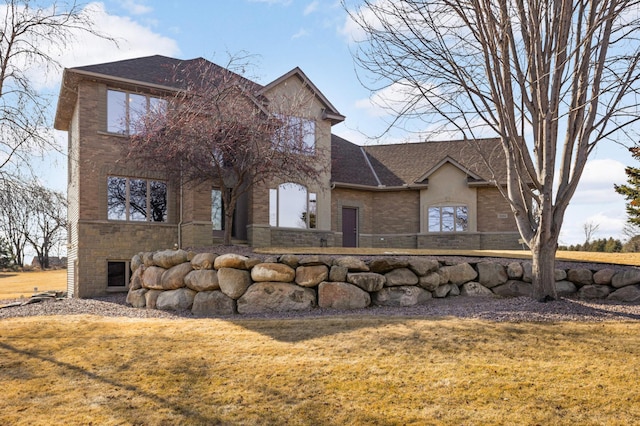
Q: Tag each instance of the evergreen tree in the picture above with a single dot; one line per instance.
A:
(6, 256)
(631, 190)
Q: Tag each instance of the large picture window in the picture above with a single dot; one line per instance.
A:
(296, 132)
(448, 219)
(125, 110)
(292, 206)
(136, 200)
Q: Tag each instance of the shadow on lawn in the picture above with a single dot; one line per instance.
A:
(133, 418)
(316, 325)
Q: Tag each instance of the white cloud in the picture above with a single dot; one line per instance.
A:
(596, 183)
(301, 33)
(135, 8)
(133, 40)
(311, 7)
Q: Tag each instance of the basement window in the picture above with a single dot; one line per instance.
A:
(117, 275)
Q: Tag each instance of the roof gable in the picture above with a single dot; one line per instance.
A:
(330, 112)
(411, 164)
(448, 160)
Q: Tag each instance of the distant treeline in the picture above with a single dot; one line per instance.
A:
(605, 245)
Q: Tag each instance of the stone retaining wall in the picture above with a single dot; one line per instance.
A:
(209, 284)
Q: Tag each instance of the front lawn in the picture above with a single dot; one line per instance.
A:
(332, 371)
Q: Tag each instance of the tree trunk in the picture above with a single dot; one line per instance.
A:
(228, 225)
(543, 251)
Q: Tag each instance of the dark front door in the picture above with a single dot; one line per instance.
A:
(349, 227)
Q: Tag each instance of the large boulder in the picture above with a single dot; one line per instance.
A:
(276, 297)
(278, 272)
(202, 280)
(316, 259)
(136, 262)
(515, 270)
(421, 266)
(292, 260)
(208, 303)
(491, 274)
(136, 278)
(580, 276)
(628, 277)
(475, 289)
(233, 282)
(630, 293)
(173, 278)
(136, 298)
(443, 290)
(514, 288)
(603, 276)
(203, 260)
(336, 295)
(460, 273)
(152, 277)
(565, 288)
(169, 258)
(594, 291)
(382, 265)
(401, 276)
(311, 276)
(401, 296)
(338, 273)
(368, 281)
(176, 300)
(431, 281)
(353, 264)
(151, 297)
(230, 260)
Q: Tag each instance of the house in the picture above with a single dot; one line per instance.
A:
(418, 195)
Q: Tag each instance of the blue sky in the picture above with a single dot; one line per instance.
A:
(283, 34)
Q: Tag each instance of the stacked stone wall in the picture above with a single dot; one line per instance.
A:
(211, 285)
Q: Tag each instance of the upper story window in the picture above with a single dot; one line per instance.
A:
(125, 110)
(448, 219)
(291, 206)
(296, 131)
(136, 200)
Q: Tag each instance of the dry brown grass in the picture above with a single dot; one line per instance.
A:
(330, 371)
(579, 256)
(22, 284)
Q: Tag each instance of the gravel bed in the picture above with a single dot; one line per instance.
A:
(519, 309)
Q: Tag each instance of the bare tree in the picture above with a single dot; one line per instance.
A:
(550, 78)
(48, 224)
(221, 129)
(31, 32)
(589, 229)
(31, 215)
(15, 216)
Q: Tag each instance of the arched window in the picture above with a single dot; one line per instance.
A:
(292, 206)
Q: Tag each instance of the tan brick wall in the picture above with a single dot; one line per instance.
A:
(494, 213)
(100, 242)
(396, 212)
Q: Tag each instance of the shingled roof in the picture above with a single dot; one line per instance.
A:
(410, 164)
(159, 70)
